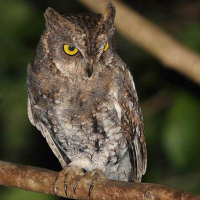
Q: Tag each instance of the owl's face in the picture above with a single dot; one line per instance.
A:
(81, 44)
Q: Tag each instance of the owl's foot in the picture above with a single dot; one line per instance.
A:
(71, 176)
(66, 176)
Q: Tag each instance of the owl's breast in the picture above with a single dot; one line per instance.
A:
(83, 97)
(89, 123)
(95, 135)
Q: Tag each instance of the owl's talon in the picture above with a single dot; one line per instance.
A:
(55, 190)
(55, 186)
(90, 189)
(74, 188)
(66, 189)
(95, 175)
(61, 179)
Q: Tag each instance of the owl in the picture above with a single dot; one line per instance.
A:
(82, 97)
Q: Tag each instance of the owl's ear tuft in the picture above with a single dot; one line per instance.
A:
(107, 21)
(49, 11)
(55, 21)
(50, 14)
(52, 18)
(109, 15)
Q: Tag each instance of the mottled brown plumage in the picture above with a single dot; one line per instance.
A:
(86, 104)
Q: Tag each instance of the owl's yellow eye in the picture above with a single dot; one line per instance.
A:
(70, 49)
(106, 47)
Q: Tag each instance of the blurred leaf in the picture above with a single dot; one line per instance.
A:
(18, 21)
(13, 194)
(182, 132)
(180, 182)
(13, 109)
(190, 37)
(14, 15)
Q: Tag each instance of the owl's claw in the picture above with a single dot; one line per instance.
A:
(74, 188)
(55, 186)
(55, 190)
(95, 175)
(66, 189)
(60, 178)
(76, 183)
(90, 189)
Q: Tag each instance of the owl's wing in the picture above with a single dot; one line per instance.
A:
(132, 125)
(45, 132)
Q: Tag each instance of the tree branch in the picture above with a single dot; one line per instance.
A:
(42, 180)
(145, 34)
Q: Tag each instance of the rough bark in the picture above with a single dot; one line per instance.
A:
(147, 35)
(42, 180)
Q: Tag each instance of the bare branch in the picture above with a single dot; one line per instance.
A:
(147, 35)
(42, 180)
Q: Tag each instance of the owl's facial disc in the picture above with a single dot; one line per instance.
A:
(80, 43)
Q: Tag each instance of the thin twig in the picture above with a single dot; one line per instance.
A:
(145, 34)
(42, 180)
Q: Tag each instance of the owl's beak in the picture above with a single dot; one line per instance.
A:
(89, 70)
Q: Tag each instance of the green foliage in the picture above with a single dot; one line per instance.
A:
(14, 194)
(14, 57)
(181, 132)
(190, 37)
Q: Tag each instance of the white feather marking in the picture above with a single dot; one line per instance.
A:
(131, 80)
(82, 163)
(37, 107)
(118, 109)
(131, 104)
(114, 130)
(108, 122)
(30, 115)
(115, 94)
(138, 130)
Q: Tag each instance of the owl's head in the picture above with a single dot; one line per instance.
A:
(80, 44)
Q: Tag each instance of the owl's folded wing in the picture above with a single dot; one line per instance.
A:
(132, 125)
(46, 133)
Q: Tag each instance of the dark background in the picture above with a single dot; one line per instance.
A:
(170, 102)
